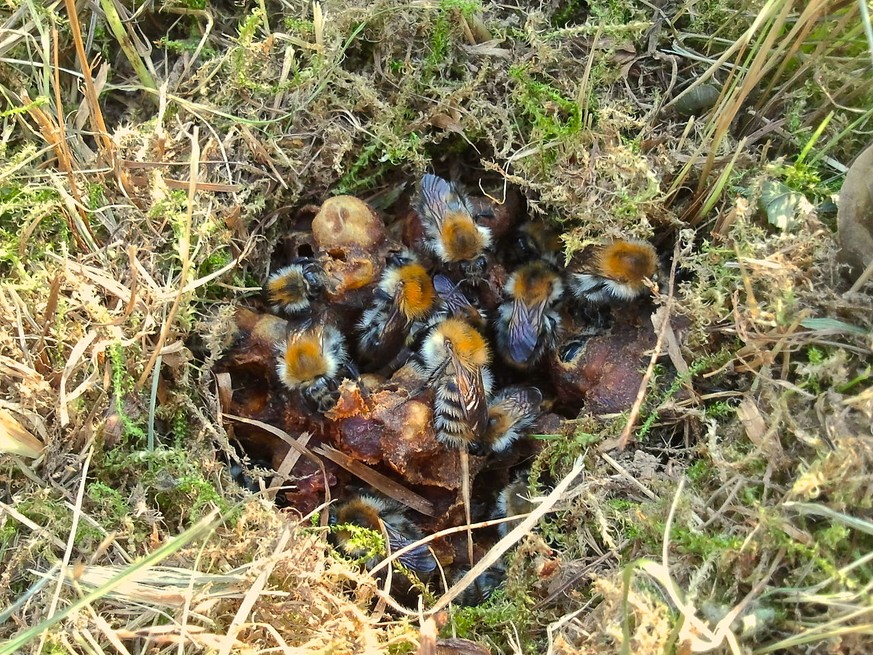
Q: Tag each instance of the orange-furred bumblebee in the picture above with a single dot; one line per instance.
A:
(372, 512)
(510, 413)
(293, 288)
(454, 358)
(527, 324)
(403, 301)
(310, 360)
(614, 272)
(450, 225)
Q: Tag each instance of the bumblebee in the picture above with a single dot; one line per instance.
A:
(403, 301)
(614, 272)
(293, 288)
(527, 324)
(372, 512)
(448, 218)
(513, 500)
(532, 240)
(310, 360)
(510, 413)
(454, 359)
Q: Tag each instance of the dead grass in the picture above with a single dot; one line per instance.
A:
(151, 159)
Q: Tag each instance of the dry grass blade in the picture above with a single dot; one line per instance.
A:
(16, 439)
(295, 445)
(509, 540)
(184, 253)
(201, 528)
(250, 597)
(378, 481)
(464, 457)
(107, 147)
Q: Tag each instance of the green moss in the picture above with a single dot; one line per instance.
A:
(189, 45)
(498, 620)
(171, 479)
(110, 507)
(122, 386)
(548, 114)
(562, 450)
(359, 539)
(22, 205)
(47, 508)
(570, 13)
(301, 26)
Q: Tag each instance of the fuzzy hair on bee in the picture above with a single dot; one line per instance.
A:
(293, 288)
(527, 324)
(510, 413)
(513, 500)
(454, 358)
(615, 272)
(532, 240)
(372, 512)
(403, 300)
(449, 224)
(310, 360)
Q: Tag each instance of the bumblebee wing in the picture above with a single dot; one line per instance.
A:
(455, 301)
(418, 560)
(471, 388)
(389, 337)
(524, 328)
(444, 287)
(520, 401)
(436, 198)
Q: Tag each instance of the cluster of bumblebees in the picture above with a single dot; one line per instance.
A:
(425, 312)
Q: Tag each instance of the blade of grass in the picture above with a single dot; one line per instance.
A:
(174, 545)
(116, 25)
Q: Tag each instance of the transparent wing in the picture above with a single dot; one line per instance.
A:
(419, 559)
(524, 329)
(471, 389)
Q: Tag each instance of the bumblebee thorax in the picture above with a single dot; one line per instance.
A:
(291, 285)
(465, 342)
(628, 261)
(304, 360)
(534, 283)
(359, 512)
(416, 292)
(462, 240)
(498, 421)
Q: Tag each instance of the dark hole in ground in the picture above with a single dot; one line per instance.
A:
(384, 420)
